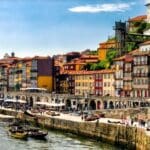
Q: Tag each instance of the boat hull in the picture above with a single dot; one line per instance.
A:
(19, 135)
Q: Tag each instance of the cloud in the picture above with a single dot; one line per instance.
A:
(110, 7)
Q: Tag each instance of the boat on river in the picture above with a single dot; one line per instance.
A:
(18, 132)
(36, 133)
(21, 129)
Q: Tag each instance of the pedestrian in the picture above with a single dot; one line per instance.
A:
(82, 117)
(132, 121)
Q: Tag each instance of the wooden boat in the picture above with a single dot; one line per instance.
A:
(17, 132)
(19, 135)
(29, 113)
(37, 133)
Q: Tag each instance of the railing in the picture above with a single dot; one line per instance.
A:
(140, 74)
(141, 63)
(129, 87)
(127, 70)
(127, 78)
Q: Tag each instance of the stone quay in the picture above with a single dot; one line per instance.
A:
(121, 135)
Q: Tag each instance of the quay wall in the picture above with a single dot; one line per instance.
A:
(129, 137)
(132, 112)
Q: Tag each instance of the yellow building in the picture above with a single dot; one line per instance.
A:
(45, 82)
(108, 82)
(104, 47)
(84, 83)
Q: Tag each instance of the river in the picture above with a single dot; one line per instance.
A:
(55, 141)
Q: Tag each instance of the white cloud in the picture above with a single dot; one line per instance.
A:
(110, 7)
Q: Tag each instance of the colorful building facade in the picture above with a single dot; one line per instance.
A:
(25, 72)
(104, 47)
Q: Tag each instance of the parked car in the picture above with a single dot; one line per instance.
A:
(92, 117)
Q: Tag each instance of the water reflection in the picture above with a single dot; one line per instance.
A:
(55, 141)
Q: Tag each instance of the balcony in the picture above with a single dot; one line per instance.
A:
(141, 63)
(141, 86)
(118, 78)
(118, 86)
(127, 87)
(141, 74)
(127, 78)
(128, 70)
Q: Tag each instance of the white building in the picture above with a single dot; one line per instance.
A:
(147, 4)
(145, 47)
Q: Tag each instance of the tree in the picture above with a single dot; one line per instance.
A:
(87, 66)
(93, 66)
(111, 54)
(104, 64)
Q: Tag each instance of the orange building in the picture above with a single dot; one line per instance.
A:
(104, 47)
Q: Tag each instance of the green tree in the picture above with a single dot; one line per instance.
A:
(104, 64)
(111, 54)
(87, 66)
(93, 66)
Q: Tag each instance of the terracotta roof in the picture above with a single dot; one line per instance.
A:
(84, 72)
(89, 56)
(4, 65)
(74, 63)
(141, 53)
(125, 56)
(128, 58)
(145, 43)
(107, 71)
(119, 58)
(138, 18)
(108, 42)
(134, 51)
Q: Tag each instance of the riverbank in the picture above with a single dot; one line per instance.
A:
(127, 136)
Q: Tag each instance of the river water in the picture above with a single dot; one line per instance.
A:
(55, 141)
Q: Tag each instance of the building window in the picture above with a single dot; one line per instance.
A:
(74, 102)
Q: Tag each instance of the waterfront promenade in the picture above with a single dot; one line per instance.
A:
(114, 133)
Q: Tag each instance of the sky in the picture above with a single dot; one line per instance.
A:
(49, 27)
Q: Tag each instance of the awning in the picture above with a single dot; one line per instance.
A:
(50, 104)
(43, 103)
(57, 105)
(14, 101)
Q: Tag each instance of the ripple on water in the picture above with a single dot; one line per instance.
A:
(55, 141)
